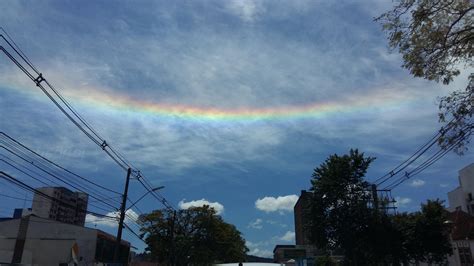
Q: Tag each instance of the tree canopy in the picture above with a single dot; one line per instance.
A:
(343, 217)
(195, 236)
(423, 236)
(339, 213)
(436, 40)
(435, 37)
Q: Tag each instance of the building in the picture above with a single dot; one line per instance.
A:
(60, 204)
(301, 207)
(33, 240)
(288, 253)
(461, 198)
(462, 237)
(303, 253)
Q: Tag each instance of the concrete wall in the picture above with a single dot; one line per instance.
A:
(456, 200)
(8, 233)
(52, 242)
(48, 242)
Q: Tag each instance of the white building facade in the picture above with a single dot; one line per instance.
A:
(462, 198)
(32, 240)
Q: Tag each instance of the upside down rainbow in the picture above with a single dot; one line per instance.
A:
(382, 98)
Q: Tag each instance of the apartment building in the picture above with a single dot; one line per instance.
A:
(60, 204)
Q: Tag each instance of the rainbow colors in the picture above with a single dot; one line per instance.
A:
(381, 99)
(97, 98)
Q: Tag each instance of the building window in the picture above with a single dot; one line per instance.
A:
(465, 255)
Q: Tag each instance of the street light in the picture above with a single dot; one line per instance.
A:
(149, 191)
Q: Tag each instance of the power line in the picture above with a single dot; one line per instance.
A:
(67, 109)
(57, 165)
(134, 233)
(38, 161)
(408, 161)
(26, 187)
(132, 219)
(417, 154)
(428, 162)
(12, 197)
(52, 175)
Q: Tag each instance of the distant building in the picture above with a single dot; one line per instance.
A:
(32, 240)
(303, 253)
(301, 207)
(461, 198)
(67, 206)
(285, 253)
(462, 237)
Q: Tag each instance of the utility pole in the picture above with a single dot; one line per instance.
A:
(122, 217)
(375, 197)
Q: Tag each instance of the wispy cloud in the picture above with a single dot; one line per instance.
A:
(257, 224)
(257, 249)
(247, 10)
(402, 201)
(289, 236)
(226, 55)
(417, 183)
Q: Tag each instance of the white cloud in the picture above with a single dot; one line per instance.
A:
(257, 224)
(272, 204)
(402, 202)
(261, 253)
(288, 236)
(272, 222)
(417, 183)
(110, 222)
(219, 208)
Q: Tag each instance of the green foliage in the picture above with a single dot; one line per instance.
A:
(436, 40)
(341, 217)
(456, 112)
(424, 235)
(435, 37)
(339, 211)
(325, 261)
(195, 236)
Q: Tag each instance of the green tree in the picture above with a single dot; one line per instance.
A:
(456, 112)
(340, 215)
(424, 235)
(325, 261)
(196, 236)
(436, 40)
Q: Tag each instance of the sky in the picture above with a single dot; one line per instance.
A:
(226, 103)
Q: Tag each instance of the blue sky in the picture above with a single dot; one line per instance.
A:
(223, 55)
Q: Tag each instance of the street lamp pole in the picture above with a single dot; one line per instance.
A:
(122, 217)
(149, 191)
